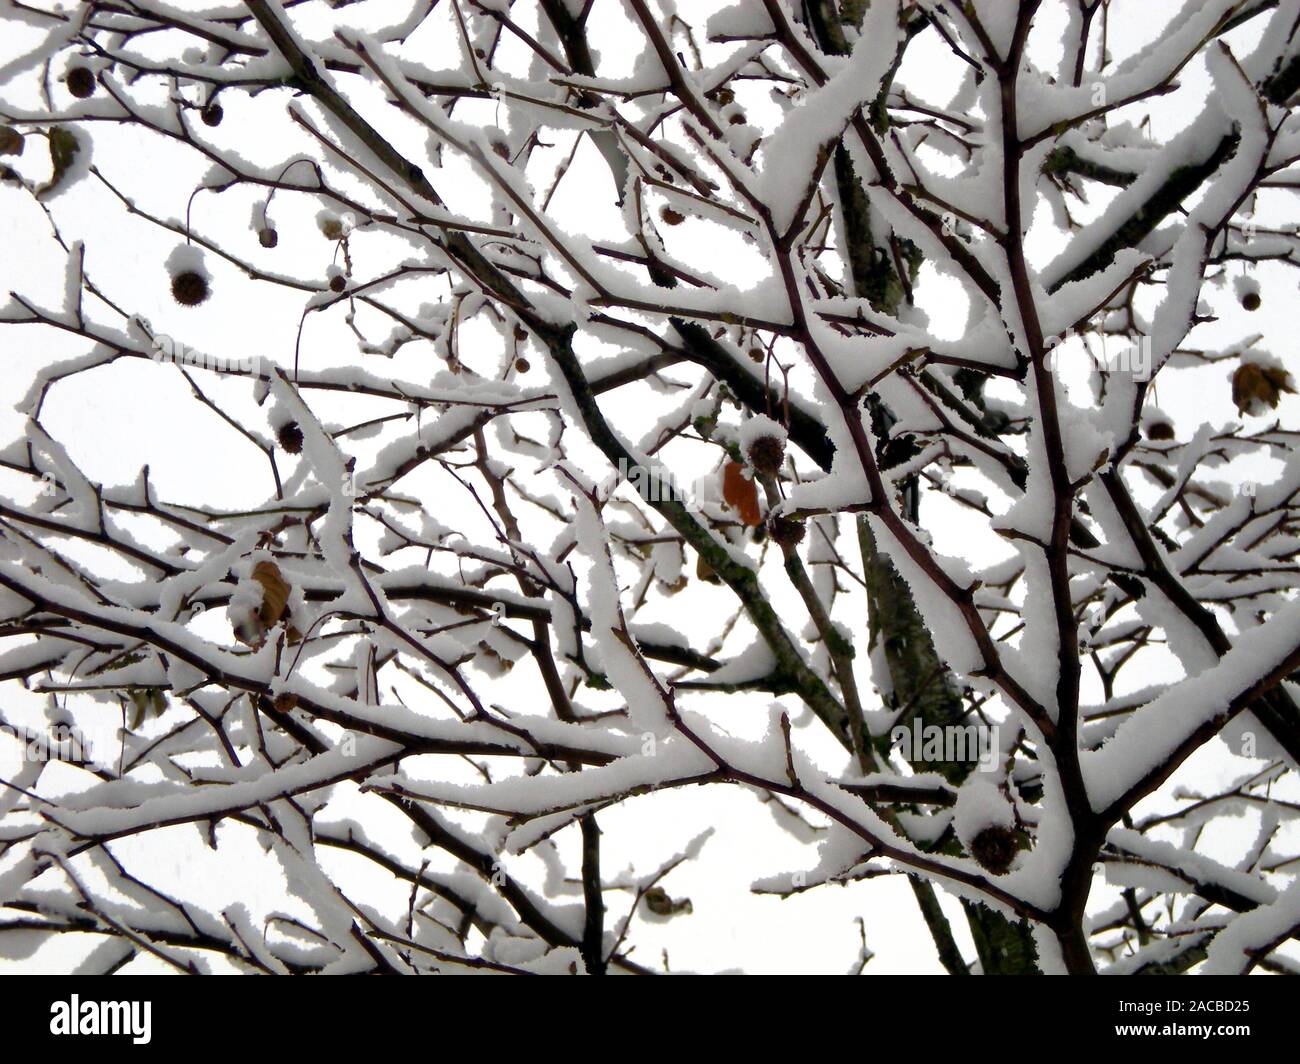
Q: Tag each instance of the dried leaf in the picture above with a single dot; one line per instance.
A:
(64, 149)
(275, 592)
(251, 630)
(1256, 388)
(11, 141)
(705, 571)
(146, 702)
(741, 493)
(659, 902)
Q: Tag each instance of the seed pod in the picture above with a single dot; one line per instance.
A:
(995, 848)
(766, 453)
(522, 365)
(81, 82)
(290, 437)
(190, 288)
(213, 114)
(786, 531)
(672, 217)
(268, 237)
(338, 282)
(1247, 292)
(1160, 430)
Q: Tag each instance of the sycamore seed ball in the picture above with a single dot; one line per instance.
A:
(81, 82)
(766, 453)
(995, 848)
(190, 288)
(290, 437)
(786, 531)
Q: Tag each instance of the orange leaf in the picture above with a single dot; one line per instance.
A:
(741, 493)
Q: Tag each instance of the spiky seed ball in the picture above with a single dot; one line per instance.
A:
(672, 217)
(786, 531)
(290, 437)
(190, 288)
(766, 453)
(81, 82)
(757, 354)
(338, 282)
(1251, 301)
(331, 228)
(268, 237)
(522, 365)
(1160, 430)
(213, 114)
(994, 848)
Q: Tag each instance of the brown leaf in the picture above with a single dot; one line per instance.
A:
(146, 702)
(661, 903)
(275, 592)
(741, 493)
(705, 571)
(64, 149)
(1256, 387)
